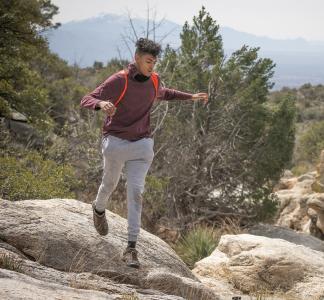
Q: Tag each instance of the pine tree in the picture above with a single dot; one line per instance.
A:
(235, 148)
(21, 25)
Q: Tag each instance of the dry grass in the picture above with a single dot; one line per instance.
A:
(132, 296)
(8, 262)
(231, 226)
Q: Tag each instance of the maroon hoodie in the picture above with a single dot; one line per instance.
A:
(132, 118)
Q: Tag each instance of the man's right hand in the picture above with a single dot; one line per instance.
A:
(108, 107)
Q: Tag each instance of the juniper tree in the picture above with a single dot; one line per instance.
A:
(242, 142)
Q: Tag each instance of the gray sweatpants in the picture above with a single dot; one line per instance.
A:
(137, 158)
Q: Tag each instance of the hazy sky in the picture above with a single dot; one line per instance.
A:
(276, 18)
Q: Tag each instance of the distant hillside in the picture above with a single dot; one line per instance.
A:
(100, 39)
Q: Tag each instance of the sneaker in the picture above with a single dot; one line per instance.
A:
(130, 257)
(100, 221)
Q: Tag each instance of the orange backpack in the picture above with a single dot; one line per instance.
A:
(154, 78)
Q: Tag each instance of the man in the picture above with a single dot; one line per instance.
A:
(127, 97)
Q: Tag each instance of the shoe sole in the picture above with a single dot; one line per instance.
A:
(135, 266)
(131, 265)
(101, 233)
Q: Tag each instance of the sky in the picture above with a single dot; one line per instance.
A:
(281, 19)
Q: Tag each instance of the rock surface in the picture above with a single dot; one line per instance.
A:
(253, 264)
(316, 203)
(19, 286)
(301, 208)
(293, 195)
(25, 279)
(58, 235)
(277, 232)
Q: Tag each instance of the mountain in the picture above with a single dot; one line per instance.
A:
(99, 38)
(104, 37)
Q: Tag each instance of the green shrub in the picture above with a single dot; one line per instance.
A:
(34, 177)
(302, 168)
(198, 243)
(312, 142)
(155, 190)
(79, 144)
(313, 113)
(4, 107)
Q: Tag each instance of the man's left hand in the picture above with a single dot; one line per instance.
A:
(200, 96)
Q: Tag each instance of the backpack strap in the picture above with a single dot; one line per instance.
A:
(125, 73)
(155, 80)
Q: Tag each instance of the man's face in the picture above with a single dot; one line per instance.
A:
(145, 63)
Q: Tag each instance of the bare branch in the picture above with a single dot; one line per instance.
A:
(148, 21)
(132, 25)
(119, 54)
(127, 45)
(160, 123)
(167, 34)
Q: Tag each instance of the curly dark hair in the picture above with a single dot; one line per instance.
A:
(144, 45)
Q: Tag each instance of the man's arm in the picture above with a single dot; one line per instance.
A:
(172, 94)
(104, 96)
